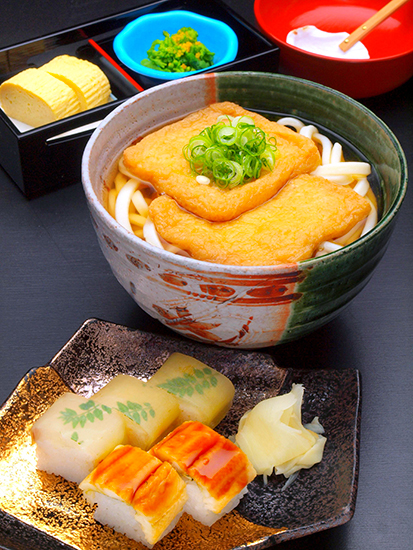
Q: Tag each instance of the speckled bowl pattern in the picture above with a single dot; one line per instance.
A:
(40, 511)
(239, 306)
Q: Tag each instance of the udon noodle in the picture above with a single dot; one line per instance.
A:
(129, 198)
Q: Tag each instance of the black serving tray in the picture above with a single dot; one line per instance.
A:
(49, 157)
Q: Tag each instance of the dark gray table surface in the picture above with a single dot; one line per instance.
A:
(54, 277)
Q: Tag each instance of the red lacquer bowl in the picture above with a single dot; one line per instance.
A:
(390, 44)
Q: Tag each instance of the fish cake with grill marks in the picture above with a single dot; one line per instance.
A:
(158, 158)
(290, 227)
(136, 494)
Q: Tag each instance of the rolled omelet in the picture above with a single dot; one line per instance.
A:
(37, 98)
(64, 86)
(87, 81)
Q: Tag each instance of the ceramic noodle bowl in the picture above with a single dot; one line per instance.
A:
(235, 306)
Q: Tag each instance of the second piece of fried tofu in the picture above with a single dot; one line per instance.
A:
(288, 228)
(158, 158)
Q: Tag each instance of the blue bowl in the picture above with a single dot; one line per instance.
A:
(133, 42)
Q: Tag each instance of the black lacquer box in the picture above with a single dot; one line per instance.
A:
(49, 157)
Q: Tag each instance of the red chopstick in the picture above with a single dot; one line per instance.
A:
(113, 62)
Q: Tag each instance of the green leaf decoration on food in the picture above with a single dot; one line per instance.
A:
(86, 406)
(232, 152)
(198, 381)
(92, 411)
(136, 411)
(98, 414)
(122, 408)
(179, 53)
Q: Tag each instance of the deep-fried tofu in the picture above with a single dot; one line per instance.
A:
(158, 158)
(290, 227)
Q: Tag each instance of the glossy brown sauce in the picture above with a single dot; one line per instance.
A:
(214, 462)
(124, 471)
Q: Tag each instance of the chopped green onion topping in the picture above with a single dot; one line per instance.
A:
(178, 53)
(231, 152)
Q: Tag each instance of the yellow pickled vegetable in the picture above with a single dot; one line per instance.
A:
(274, 439)
(148, 412)
(74, 435)
(204, 394)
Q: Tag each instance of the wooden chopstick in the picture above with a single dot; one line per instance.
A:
(371, 23)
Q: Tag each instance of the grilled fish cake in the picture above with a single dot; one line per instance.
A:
(136, 494)
(215, 470)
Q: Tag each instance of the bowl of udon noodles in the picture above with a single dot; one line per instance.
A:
(221, 255)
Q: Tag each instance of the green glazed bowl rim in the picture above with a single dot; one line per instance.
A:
(187, 262)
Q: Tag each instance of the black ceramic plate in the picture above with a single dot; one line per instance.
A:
(39, 511)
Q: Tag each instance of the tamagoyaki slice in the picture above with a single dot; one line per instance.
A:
(87, 80)
(36, 98)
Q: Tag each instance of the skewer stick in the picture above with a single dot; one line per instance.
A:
(371, 24)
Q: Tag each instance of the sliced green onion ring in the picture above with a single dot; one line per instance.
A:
(227, 173)
(227, 135)
(241, 121)
(268, 158)
(215, 152)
